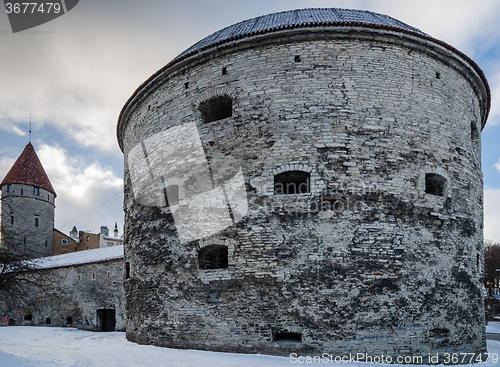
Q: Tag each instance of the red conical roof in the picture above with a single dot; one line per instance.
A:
(29, 171)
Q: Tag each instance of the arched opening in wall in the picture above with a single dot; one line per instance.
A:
(434, 184)
(287, 337)
(439, 333)
(216, 108)
(171, 193)
(28, 317)
(69, 320)
(11, 322)
(213, 257)
(48, 321)
(292, 182)
(474, 131)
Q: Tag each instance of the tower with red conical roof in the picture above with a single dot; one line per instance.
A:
(27, 206)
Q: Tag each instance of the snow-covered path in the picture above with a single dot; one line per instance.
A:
(24, 346)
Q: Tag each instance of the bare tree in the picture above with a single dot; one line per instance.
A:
(21, 277)
(491, 266)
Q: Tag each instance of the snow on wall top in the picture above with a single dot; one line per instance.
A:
(80, 257)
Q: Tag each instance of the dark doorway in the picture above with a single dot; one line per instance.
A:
(106, 320)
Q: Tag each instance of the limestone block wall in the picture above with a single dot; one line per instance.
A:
(372, 258)
(27, 219)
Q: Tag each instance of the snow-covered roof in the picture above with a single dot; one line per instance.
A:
(106, 237)
(80, 257)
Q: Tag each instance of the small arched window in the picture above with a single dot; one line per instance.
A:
(216, 108)
(474, 131)
(434, 184)
(213, 257)
(292, 182)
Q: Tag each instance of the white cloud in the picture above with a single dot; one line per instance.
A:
(82, 188)
(494, 117)
(491, 214)
(5, 165)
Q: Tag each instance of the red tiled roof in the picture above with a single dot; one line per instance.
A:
(28, 170)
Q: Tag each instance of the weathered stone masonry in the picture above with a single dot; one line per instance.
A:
(382, 253)
(87, 295)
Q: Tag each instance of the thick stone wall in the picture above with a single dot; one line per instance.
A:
(27, 219)
(76, 298)
(368, 260)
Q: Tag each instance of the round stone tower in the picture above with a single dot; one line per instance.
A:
(307, 182)
(27, 207)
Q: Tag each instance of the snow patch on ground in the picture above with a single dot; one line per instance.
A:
(493, 327)
(27, 346)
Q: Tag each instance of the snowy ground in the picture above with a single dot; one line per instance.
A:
(25, 346)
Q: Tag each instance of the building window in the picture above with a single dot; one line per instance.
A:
(93, 276)
(36, 191)
(474, 131)
(110, 244)
(64, 242)
(88, 238)
(171, 193)
(216, 108)
(22, 191)
(439, 333)
(434, 184)
(9, 188)
(11, 219)
(292, 182)
(127, 270)
(213, 257)
(287, 337)
(36, 222)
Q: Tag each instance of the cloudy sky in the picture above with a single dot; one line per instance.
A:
(75, 73)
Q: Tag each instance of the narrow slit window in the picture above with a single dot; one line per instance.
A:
(434, 184)
(474, 132)
(36, 191)
(127, 270)
(36, 222)
(171, 193)
(287, 337)
(213, 257)
(216, 108)
(9, 188)
(292, 182)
